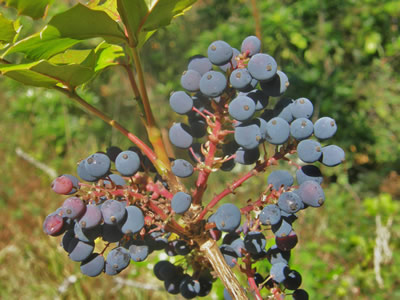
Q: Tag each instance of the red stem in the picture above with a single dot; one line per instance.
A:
(254, 287)
(162, 191)
(201, 183)
(250, 276)
(277, 294)
(199, 112)
(194, 155)
(172, 225)
(257, 169)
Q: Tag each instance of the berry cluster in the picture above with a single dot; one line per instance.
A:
(129, 205)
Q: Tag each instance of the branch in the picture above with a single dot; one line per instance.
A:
(153, 131)
(211, 251)
(257, 18)
(161, 168)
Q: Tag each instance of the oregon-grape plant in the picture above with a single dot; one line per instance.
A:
(124, 204)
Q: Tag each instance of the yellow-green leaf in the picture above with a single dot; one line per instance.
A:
(107, 56)
(72, 56)
(7, 31)
(108, 6)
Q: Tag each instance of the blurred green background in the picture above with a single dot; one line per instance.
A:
(341, 54)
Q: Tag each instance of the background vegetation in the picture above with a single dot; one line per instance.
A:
(342, 55)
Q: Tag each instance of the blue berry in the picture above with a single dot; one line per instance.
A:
(276, 86)
(227, 217)
(181, 202)
(280, 178)
(181, 168)
(309, 151)
(181, 102)
(200, 64)
(134, 221)
(97, 165)
(270, 215)
(311, 193)
(219, 53)
(289, 202)
(302, 108)
(233, 61)
(301, 129)
(93, 265)
(248, 135)
(325, 128)
(242, 108)
(262, 67)
(190, 80)
(180, 135)
(309, 172)
(277, 131)
(240, 79)
(213, 84)
(251, 44)
(127, 163)
(332, 155)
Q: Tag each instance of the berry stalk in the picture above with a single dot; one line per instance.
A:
(237, 183)
(201, 183)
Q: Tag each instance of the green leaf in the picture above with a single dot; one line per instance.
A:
(81, 22)
(45, 74)
(33, 8)
(7, 31)
(143, 17)
(42, 45)
(107, 55)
